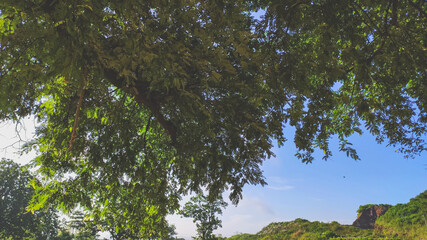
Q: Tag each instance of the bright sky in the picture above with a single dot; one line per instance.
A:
(322, 191)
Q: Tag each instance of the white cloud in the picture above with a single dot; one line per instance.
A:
(185, 228)
(280, 188)
(249, 216)
(278, 184)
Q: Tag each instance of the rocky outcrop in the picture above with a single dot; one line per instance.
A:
(368, 214)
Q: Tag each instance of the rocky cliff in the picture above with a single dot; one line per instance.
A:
(368, 214)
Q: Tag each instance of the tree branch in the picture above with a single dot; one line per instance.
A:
(140, 94)
(155, 110)
(76, 119)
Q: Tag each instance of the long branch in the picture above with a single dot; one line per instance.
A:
(155, 110)
(142, 99)
(76, 118)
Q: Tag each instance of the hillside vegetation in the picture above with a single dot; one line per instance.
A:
(304, 229)
(403, 221)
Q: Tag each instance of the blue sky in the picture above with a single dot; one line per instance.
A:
(323, 191)
(320, 191)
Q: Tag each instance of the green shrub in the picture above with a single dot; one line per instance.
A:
(405, 220)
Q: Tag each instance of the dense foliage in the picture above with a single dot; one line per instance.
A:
(406, 220)
(16, 222)
(15, 193)
(141, 102)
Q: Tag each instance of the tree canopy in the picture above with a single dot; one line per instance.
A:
(15, 193)
(140, 102)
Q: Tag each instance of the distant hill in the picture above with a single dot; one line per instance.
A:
(304, 229)
(403, 221)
